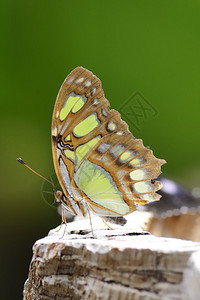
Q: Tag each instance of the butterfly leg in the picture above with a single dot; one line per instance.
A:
(63, 220)
(90, 222)
(106, 223)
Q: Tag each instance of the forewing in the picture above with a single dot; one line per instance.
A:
(95, 156)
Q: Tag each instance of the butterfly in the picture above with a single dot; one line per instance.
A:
(100, 165)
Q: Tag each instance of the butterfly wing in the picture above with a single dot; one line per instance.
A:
(96, 158)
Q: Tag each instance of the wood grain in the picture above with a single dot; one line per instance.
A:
(116, 264)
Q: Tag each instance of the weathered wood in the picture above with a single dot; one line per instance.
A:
(191, 278)
(117, 264)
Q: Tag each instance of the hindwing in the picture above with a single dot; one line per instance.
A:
(96, 158)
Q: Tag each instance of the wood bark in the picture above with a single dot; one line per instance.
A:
(115, 264)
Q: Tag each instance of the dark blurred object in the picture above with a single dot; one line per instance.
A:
(176, 200)
(177, 214)
(116, 220)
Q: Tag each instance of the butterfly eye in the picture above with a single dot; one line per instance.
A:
(58, 196)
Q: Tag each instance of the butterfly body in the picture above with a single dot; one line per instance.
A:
(97, 160)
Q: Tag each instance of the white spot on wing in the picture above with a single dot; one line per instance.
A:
(137, 174)
(87, 83)
(119, 132)
(150, 197)
(127, 155)
(111, 126)
(79, 80)
(136, 162)
(141, 187)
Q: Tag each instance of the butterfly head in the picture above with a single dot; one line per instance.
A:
(58, 196)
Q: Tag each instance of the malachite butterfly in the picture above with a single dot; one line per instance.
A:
(98, 162)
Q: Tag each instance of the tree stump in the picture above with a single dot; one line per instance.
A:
(122, 263)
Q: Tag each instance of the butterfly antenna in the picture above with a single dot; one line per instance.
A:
(23, 163)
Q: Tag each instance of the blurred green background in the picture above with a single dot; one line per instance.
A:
(147, 46)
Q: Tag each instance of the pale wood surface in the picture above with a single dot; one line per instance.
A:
(191, 278)
(119, 264)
